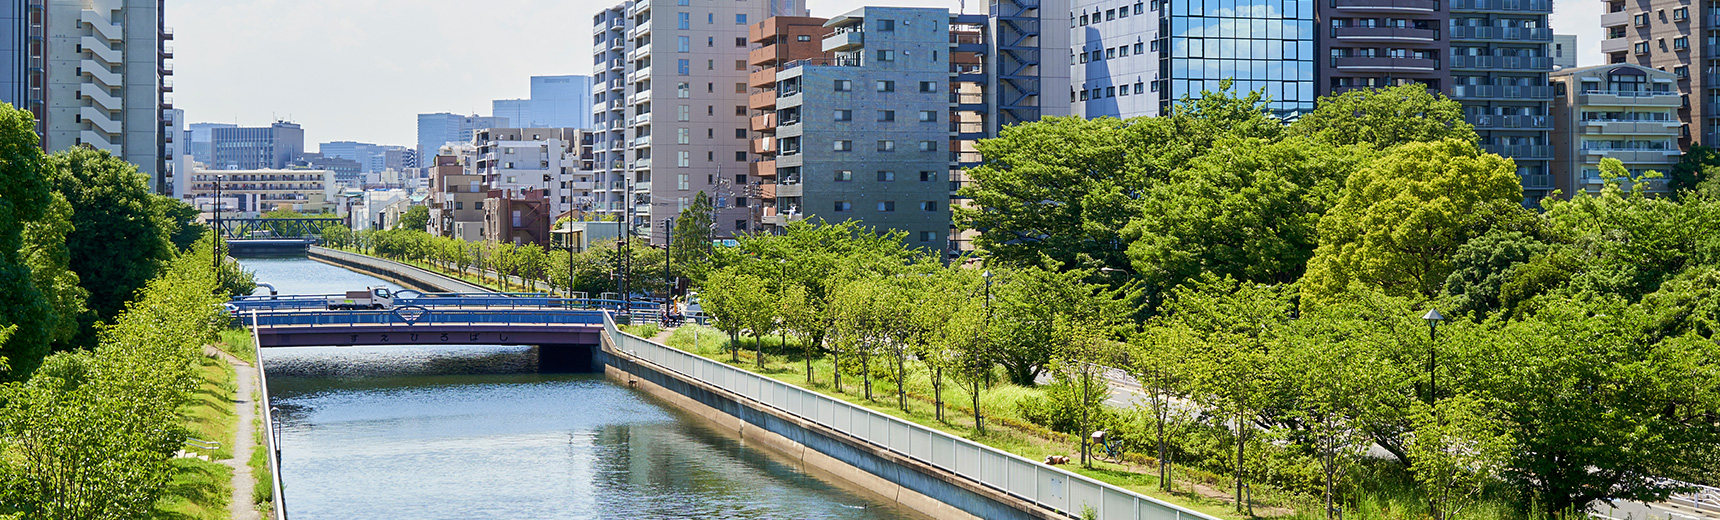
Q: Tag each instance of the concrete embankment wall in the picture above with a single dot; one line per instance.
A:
(405, 275)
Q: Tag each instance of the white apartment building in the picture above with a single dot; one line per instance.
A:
(669, 104)
(558, 160)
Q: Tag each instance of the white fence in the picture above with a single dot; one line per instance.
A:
(1038, 483)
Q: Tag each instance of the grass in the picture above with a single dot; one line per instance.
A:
(239, 343)
(647, 330)
(199, 489)
(263, 492)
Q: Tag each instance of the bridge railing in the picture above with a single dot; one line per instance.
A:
(421, 318)
(267, 304)
(1041, 484)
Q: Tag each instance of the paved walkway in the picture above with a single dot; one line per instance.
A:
(239, 505)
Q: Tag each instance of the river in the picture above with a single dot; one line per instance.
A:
(438, 432)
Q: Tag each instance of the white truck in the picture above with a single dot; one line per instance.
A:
(372, 298)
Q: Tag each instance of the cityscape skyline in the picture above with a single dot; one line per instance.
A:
(220, 80)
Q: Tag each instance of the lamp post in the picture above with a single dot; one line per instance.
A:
(1433, 319)
(668, 247)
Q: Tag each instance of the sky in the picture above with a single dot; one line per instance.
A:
(362, 70)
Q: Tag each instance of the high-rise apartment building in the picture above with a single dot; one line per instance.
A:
(558, 162)
(1677, 37)
(93, 72)
(670, 105)
(1137, 58)
(876, 132)
(778, 42)
(1619, 111)
(256, 148)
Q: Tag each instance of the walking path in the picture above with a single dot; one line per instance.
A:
(239, 505)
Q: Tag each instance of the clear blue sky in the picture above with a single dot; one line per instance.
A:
(362, 70)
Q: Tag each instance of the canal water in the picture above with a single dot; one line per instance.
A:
(438, 432)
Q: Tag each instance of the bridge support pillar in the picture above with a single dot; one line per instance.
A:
(567, 358)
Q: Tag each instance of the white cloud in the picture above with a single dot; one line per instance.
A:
(363, 69)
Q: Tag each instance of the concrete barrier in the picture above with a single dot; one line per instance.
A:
(405, 275)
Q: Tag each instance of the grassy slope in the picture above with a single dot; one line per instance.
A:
(199, 488)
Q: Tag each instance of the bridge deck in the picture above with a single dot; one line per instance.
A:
(418, 325)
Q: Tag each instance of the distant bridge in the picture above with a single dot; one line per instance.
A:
(274, 228)
(567, 331)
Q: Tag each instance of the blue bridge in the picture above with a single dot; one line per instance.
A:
(567, 331)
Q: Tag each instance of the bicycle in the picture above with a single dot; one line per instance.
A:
(1108, 450)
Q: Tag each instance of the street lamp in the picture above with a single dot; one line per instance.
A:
(1433, 318)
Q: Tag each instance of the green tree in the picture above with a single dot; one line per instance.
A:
(1158, 360)
(1698, 164)
(1385, 117)
(24, 197)
(182, 217)
(1248, 209)
(416, 218)
(692, 235)
(1481, 267)
(49, 258)
(1401, 218)
(116, 212)
(1026, 307)
(1456, 450)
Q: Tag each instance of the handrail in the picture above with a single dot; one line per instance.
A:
(271, 438)
(1045, 485)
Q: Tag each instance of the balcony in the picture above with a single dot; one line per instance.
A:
(762, 169)
(791, 190)
(1385, 33)
(1667, 128)
(639, 53)
(640, 30)
(1482, 92)
(1520, 151)
(1612, 45)
(639, 75)
(642, 164)
(1615, 19)
(763, 146)
(764, 100)
(763, 56)
(1502, 34)
(1519, 6)
(639, 97)
(1522, 63)
(617, 84)
(765, 78)
(639, 7)
(1411, 6)
(1631, 99)
(1493, 122)
(1378, 63)
(617, 44)
(642, 141)
(843, 41)
(764, 123)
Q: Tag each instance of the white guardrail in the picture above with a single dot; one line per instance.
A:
(1054, 488)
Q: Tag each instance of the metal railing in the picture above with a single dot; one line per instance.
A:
(1047, 486)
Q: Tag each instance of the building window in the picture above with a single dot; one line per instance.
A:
(1110, 91)
(885, 85)
(844, 115)
(1681, 71)
(741, 156)
(740, 64)
(1138, 87)
(886, 25)
(886, 176)
(740, 88)
(1642, 47)
(683, 44)
(886, 55)
(1681, 14)
(683, 21)
(681, 113)
(740, 133)
(740, 110)
(1110, 14)
(683, 90)
(886, 115)
(928, 146)
(844, 176)
(1123, 51)
(843, 85)
(683, 67)
(844, 145)
(740, 225)
(681, 136)
(681, 182)
(1681, 43)
(886, 145)
(928, 116)
(1137, 8)
(928, 236)
(1642, 19)
(928, 86)
(740, 42)
(843, 206)
(683, 159)
(803, 38)
(1083, 19)
(1083, 94)
(1123, 13)
(1110, 53)
(928, 176)
(886, 206)
(930, 205)
(740, 202)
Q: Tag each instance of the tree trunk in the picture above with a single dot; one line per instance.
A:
(866, 372)
(807, 353)
(938, 392)
(902, 378)
(1240, 441)
(1164, 465)
(735, 346)
(836, 368)
(758, 346)
(978, 422)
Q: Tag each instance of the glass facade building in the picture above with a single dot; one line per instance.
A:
(1258, 44)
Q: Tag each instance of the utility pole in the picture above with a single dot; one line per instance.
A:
(625, 249)
(215, 231)
(668, 248)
